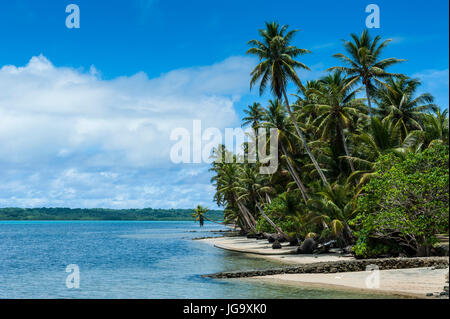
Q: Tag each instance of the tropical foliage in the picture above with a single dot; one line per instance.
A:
(363, 157)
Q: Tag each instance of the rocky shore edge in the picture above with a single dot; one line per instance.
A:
(341, 266)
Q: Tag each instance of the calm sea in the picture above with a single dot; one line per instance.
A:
(127, 260)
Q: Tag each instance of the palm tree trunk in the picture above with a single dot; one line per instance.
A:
(294, 174)
(368, 100)
(223, 224)
(245, 213)
(346, 148)
(302, 137)
(278, 229)
(268, 199)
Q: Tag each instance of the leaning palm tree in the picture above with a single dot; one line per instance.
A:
(225, 181)
(364, 62)
(251, 188)
(275, 117)
(277, 67)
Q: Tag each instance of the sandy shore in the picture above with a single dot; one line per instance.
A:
(416, 282)
(263, 249)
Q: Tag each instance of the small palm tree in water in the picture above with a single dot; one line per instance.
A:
(198, 214)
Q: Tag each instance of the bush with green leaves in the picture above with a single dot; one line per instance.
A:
(405, 204)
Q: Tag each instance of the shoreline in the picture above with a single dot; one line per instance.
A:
(406, 282)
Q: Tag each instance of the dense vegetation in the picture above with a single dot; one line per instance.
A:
(363, 157)
(101, 214)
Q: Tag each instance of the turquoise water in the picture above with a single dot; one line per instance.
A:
(127, 260)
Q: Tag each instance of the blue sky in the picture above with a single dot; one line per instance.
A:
(85, 113)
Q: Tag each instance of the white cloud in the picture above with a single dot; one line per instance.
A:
(82, 135)
(436, 83)
(323, 46)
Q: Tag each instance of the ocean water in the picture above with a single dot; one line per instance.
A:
(128, 260)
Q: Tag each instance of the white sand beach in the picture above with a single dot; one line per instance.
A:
(414, 282)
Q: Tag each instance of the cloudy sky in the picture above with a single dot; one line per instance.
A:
(86, 114)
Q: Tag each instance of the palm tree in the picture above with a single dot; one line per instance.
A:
(225, 181)
(397, 103)
(381, 138)
(337, 107)
(251, 188)
(277, 67)
(275, 117)
(255, 113)
(436, 126)
(334, 204)
(199, 213)
(364, 62)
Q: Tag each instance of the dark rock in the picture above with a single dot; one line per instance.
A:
(348, 250)
(440, 250)
(276, 245)
(307, 247)
(324, 248)
(271, 239)
(294, 242)
(429, 294)
(344, 266)
(260, 236)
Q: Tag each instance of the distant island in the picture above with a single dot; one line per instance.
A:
(149, 214)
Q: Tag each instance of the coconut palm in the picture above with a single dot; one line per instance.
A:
(337, 107)
(255, 113)
(364, 62)
(382, 137)
(251, 189)
(397, 102)
(277, 67)
(225, 180)
(275, 117)
(334, 204)
(199, 213)
(436, 126)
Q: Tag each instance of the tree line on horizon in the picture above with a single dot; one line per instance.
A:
(363, 156)
(59, 213)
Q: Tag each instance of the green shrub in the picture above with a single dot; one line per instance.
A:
(405, 203)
